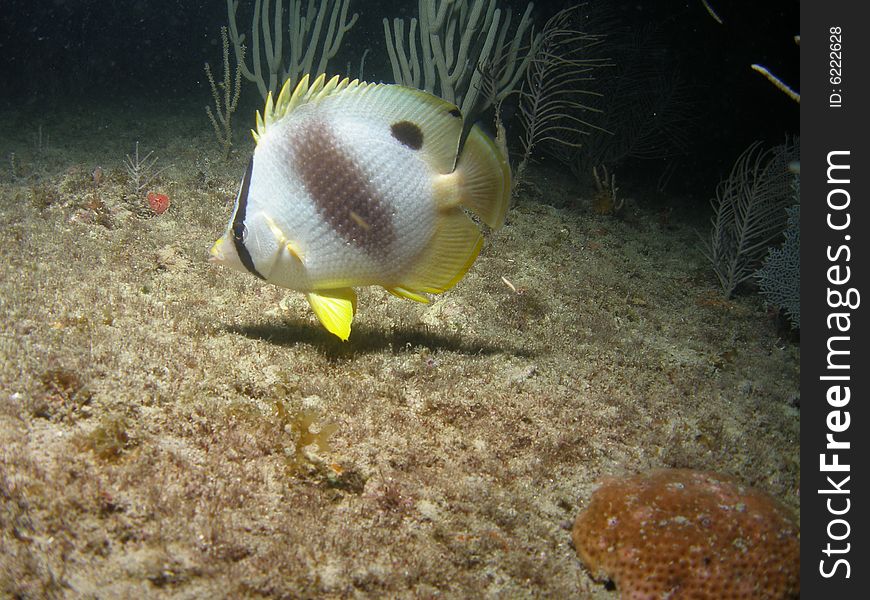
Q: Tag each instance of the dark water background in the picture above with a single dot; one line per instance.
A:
(100, 54)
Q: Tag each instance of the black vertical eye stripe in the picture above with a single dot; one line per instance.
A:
(239, 228)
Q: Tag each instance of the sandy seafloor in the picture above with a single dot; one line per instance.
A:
(152, 404)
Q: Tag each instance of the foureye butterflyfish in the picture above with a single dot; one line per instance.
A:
(354, 184)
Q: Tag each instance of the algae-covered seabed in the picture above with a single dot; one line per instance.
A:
(152, 404)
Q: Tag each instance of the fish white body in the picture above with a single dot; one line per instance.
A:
(355, 184)
(329, 263)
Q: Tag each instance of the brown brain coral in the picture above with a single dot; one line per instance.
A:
(678, 533)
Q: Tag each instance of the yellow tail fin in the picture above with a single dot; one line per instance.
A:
(486, 178)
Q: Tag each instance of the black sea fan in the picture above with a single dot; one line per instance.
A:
(749, 212)
(553, 101)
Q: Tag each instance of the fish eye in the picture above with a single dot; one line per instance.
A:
(240, 232)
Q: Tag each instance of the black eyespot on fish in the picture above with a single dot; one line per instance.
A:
(408, 134)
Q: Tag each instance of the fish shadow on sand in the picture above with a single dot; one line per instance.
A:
(366, 340)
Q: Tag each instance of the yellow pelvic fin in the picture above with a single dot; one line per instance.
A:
(446, 260)
(486, 178)
(335, 310)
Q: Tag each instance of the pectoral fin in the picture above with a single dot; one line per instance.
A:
(335, 310)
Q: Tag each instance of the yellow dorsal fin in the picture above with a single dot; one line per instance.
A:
(334, 309)
(438, 122)
(291, 97)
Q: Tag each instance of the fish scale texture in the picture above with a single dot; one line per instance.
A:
(394, 175)
(679, 533)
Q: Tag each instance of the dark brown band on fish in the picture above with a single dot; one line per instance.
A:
(239, 228)
(408, 134)
(341, 192)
